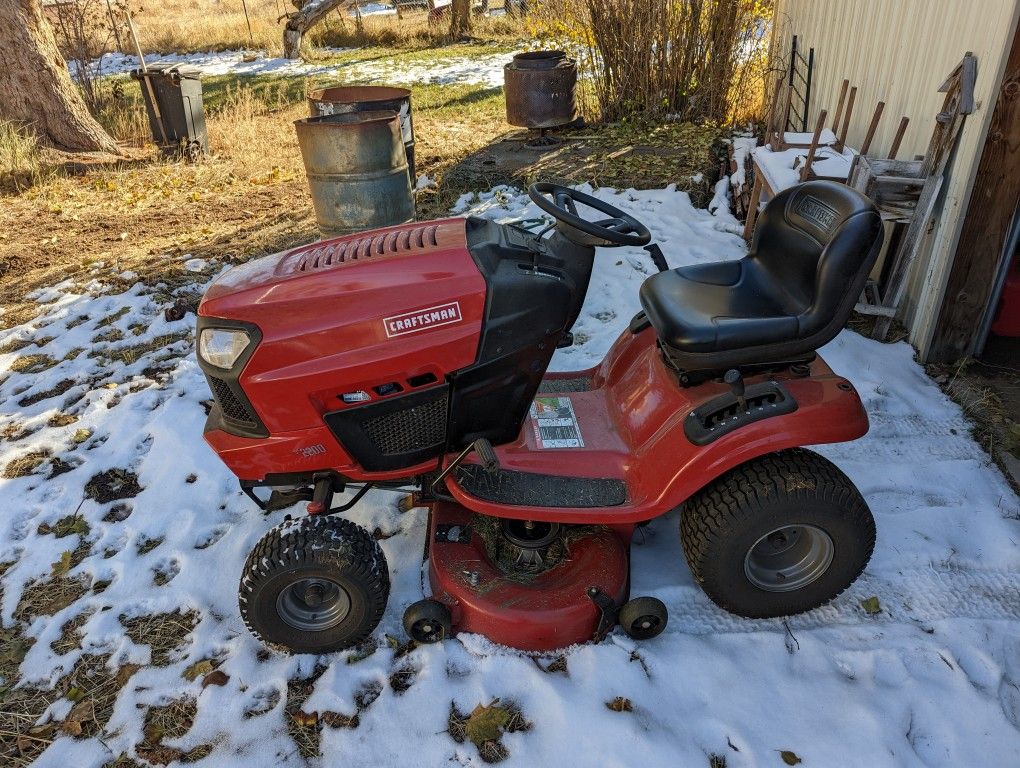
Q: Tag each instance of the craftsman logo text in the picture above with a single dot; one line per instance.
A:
(423, 319)
(817, 212)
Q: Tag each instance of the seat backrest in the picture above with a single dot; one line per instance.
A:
(814, 244)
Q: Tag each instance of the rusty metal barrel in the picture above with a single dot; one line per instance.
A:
(357, 171)
(369, 98)
(541, 89)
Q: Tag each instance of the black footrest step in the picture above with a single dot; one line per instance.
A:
(526, 489)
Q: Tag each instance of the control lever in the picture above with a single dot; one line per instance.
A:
(658, 258)
(486, 458)
(486, 455)
(736, 383)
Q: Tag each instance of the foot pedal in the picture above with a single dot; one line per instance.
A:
(282, 499)
(566, 340)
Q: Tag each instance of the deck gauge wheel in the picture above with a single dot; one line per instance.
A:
(643, 617)
(428, 621)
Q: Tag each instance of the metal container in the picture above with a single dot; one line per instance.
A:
(357, 171)
(541, 89)
(369, 98)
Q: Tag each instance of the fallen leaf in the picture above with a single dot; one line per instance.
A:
(305, 719)
(216, 677)
(63, 565)
(81, 712)
(790, 758)
(486, 723)
(198, 669)
(871, 606)
(125, 672)
(620, 704)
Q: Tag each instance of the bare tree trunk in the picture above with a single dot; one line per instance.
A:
(35, 86)
(460, 19)
(309, 13)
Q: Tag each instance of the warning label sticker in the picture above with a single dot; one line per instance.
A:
(555, 423)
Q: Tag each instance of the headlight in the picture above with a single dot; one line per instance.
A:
(221, 347)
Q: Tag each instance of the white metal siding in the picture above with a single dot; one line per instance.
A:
(899, 52)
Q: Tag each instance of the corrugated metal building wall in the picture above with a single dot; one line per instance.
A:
(899, 52)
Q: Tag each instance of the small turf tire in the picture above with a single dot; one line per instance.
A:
(643, 617)
(428, 621)
(778, 535)
(314, 585)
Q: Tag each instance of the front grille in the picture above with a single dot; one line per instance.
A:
(395, 432)
(335, 253)
(408, 430)
(231, 405)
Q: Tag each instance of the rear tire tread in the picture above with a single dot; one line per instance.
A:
(715, 513)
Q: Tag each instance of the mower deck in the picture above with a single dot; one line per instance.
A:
(532, 611)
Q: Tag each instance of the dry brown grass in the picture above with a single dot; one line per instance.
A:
(47, 597)
(20, 165)
(164, 633)
(170, 721)
(216, 25)
(210, 25)
(26, 464)
(32, 363)
(249, 199)
(412, 31)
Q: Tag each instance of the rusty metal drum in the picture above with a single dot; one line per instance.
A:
(541, 89)
(357, 171)
(369, 98)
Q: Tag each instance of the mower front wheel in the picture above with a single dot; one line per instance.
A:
(314, 585)
(779, 535)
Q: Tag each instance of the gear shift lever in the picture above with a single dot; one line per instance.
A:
(736, 383)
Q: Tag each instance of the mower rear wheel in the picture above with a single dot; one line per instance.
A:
(314, 585)
(428, 621)
(779, 535)
(643, 617)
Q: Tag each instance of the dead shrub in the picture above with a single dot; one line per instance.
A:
(698, 61)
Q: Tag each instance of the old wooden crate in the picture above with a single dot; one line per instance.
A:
(894, 185)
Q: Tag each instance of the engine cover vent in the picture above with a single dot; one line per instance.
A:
(334, 253)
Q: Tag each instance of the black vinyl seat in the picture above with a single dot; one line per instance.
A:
(810, 256)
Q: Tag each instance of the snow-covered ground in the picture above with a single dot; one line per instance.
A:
(459, 70)
(933, 679)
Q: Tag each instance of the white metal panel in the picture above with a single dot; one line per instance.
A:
(899, 52)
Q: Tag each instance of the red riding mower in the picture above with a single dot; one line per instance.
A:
(414, 358)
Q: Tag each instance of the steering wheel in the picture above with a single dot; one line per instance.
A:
(619, 229)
